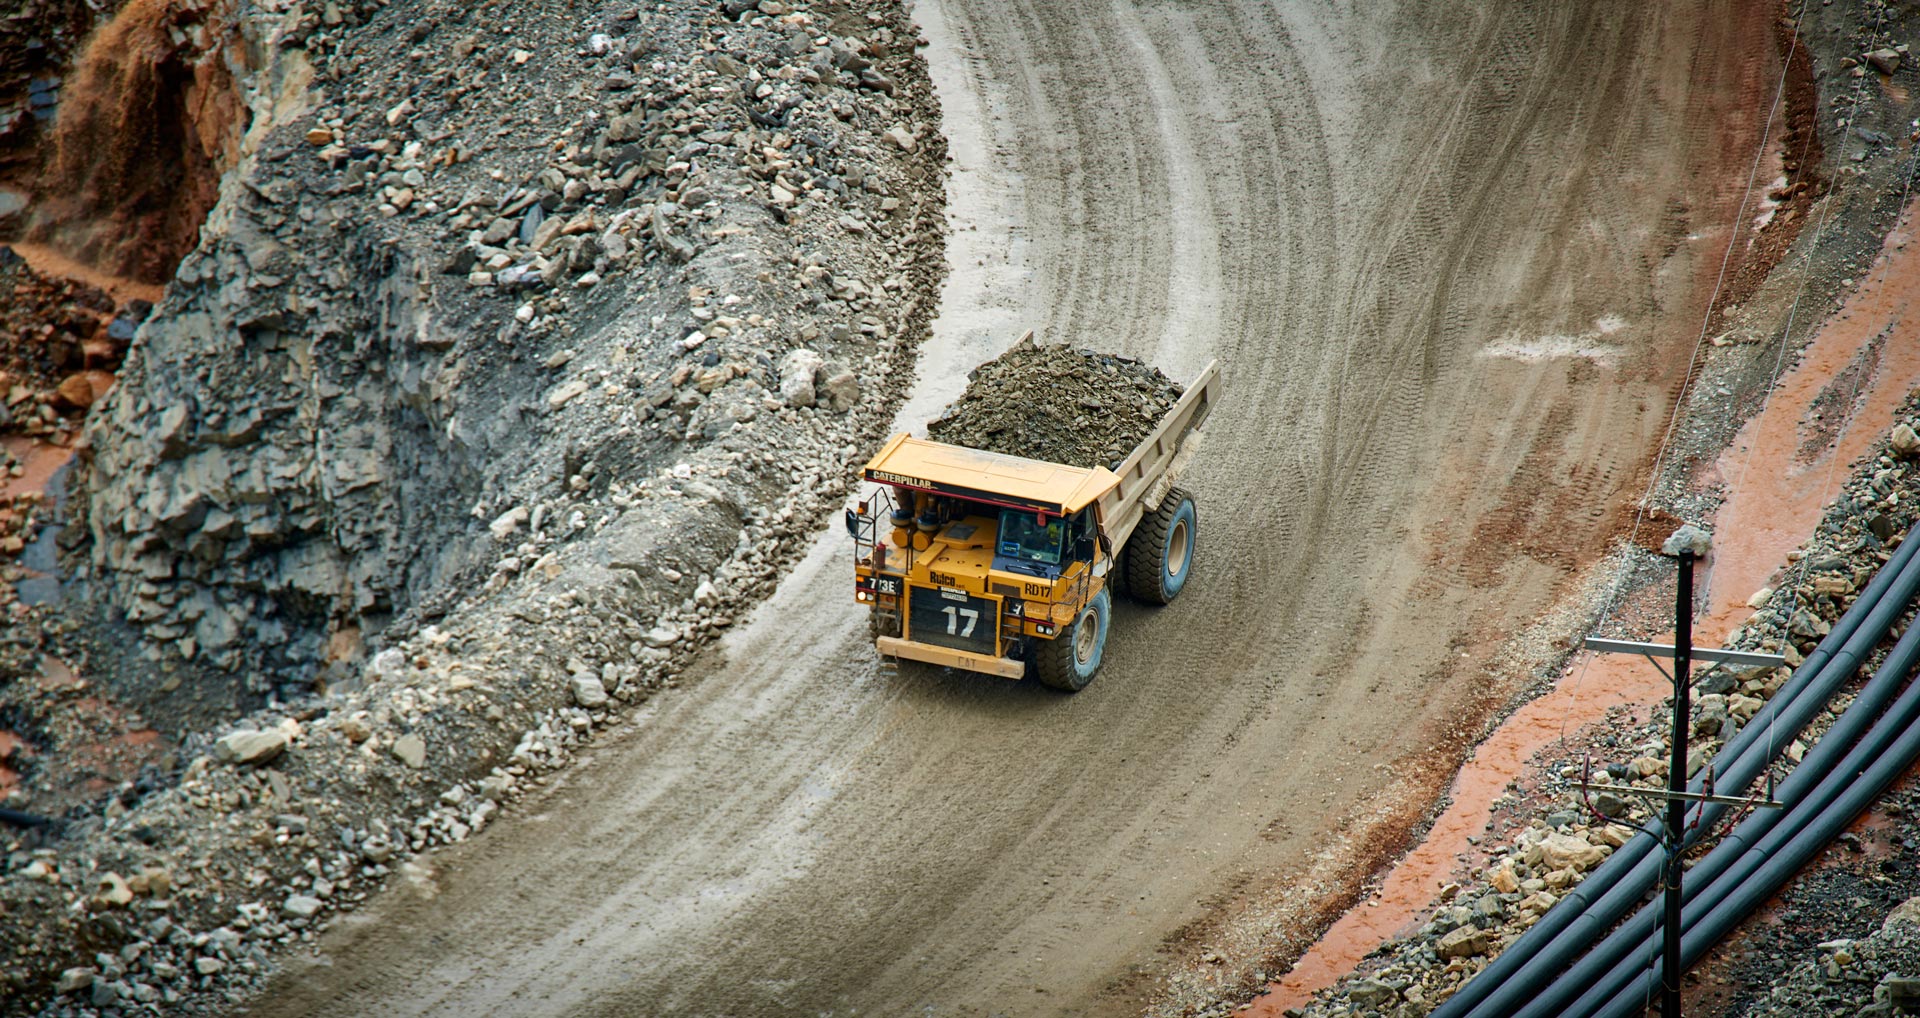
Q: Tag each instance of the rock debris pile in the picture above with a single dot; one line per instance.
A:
(1873, 972)
(59, 344)
(445, 322)
(510, 367)
(1058, 404)
(60, 341)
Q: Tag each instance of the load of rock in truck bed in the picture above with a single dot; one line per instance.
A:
(1058, 404)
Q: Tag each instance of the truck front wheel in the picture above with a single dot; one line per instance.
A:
(1160, 552)
(1070, 660)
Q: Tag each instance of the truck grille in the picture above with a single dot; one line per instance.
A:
(954, 619)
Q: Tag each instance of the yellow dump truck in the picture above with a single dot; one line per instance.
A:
(999, 564)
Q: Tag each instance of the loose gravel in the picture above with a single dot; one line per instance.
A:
(561, 326)
(1058, 404)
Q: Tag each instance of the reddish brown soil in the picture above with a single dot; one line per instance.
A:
(1793, 162)
(147, 125)
(148, 120)
(52, 330)
(99, 743)
(1778, 486)
(1446, 855)
(10, 744)
(53, 264)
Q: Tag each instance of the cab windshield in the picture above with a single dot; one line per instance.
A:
(1024, 537)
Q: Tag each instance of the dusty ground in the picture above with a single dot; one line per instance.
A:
(1826, 305)
(1452, 264)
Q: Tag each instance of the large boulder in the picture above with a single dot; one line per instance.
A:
(1464, 942)
(798, 375)
(588, 691)
(1564, 851)
(249, 746)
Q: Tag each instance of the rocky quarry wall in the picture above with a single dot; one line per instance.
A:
(524, 348)
(437, 312)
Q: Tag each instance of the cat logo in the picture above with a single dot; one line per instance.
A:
(891, 478)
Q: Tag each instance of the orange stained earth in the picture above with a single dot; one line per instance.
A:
(1776, 490)
(112, 749)
(41, 460)
(107, 758)
(53, 264)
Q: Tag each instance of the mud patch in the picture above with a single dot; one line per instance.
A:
(64, 742)
(1836, 402)
(1589, 345)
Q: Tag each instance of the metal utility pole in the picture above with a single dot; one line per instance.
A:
(1677, 781)
(1687, 544)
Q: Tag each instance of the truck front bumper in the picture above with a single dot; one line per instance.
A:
(1006, 668)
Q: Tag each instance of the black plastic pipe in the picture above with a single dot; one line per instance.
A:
(1820, 779)
(1831, 664)
(1618, 884)
(1761, 870)
(15, 818)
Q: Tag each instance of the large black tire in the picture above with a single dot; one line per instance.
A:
(1072, 659)
(1160, 552)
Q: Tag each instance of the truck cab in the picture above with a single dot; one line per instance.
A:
(969, 558)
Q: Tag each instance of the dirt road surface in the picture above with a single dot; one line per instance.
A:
(1453, 262)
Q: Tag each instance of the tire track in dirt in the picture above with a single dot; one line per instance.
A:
(1377, 199)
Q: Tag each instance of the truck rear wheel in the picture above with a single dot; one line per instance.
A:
(1070, 660)
(1160, 552)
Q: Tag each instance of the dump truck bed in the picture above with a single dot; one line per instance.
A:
(1057, 489)
(1144, 477)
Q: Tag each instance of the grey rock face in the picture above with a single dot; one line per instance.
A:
(278, 458)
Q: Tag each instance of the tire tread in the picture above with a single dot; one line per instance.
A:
(1052, 661)
(1143, 556)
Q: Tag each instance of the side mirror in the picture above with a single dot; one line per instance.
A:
(853, 525)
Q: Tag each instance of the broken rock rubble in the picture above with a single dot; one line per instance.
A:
(458, 386)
